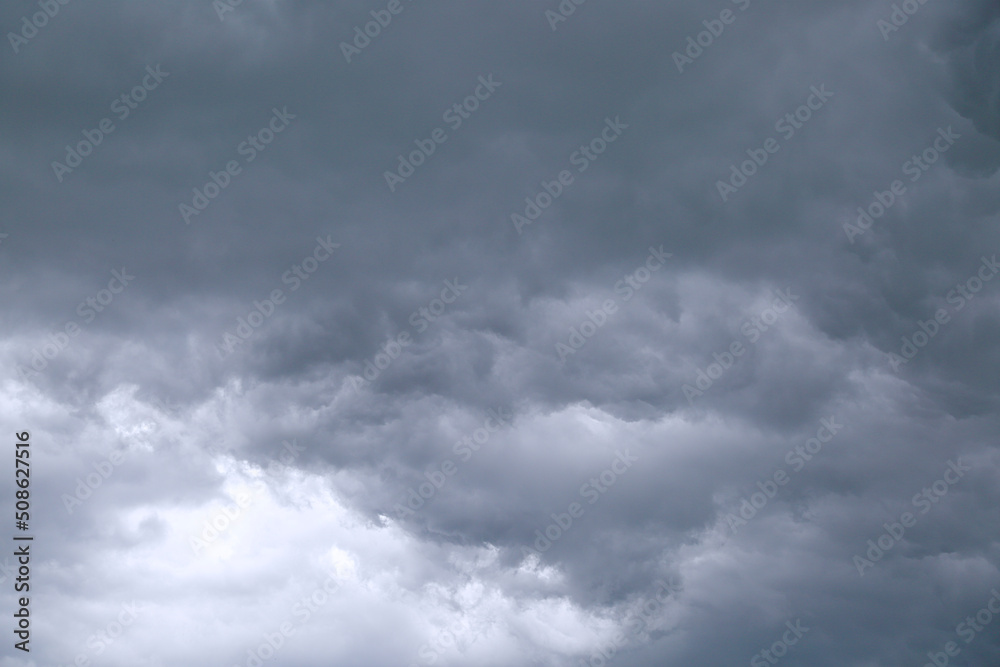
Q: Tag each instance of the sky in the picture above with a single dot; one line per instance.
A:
(550, 333)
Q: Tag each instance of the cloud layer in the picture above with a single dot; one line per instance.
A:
(504, 333)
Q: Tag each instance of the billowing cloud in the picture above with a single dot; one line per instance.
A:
(560, 333)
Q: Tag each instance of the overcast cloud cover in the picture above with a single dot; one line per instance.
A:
(766, 384)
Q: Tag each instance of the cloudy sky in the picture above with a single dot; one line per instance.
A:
(392, 333)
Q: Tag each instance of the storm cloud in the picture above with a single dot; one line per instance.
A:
(406, 332)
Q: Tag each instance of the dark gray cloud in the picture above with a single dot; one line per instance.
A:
(305, 380)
